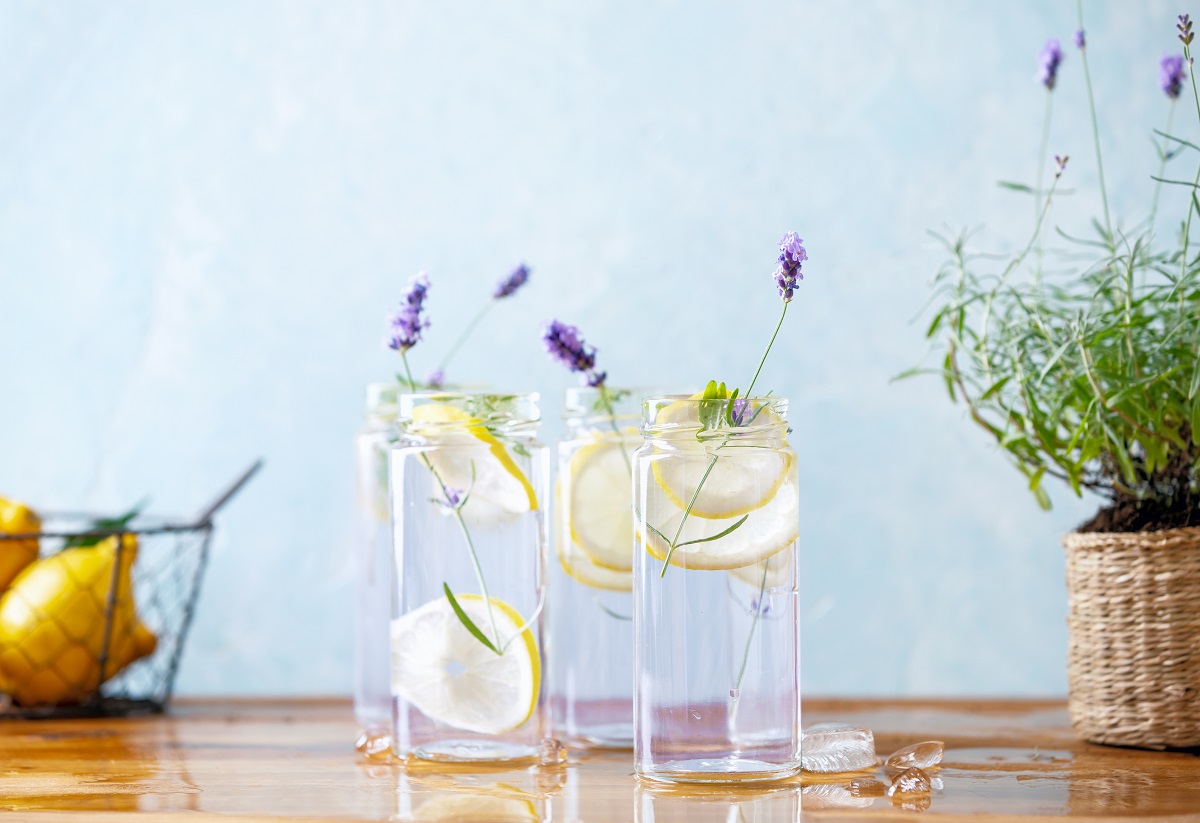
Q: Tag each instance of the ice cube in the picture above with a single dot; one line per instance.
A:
(837, 747)
(551, 752)
(922, 755)
(911, 781)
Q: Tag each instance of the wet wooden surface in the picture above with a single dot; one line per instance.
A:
(1005, 760)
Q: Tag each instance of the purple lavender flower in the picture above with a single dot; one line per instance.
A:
(564, 344)
(1171, 75)
(1080, 39)
(509, 285)
(406, 322)
(451, 498)
(1185, 29)
(436, 379)
(1049, 59)
(788, 273)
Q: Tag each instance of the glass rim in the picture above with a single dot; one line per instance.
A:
(501, 407)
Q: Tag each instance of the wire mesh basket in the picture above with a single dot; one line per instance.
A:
(96, 625)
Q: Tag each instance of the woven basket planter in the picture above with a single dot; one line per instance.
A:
(1133, 667)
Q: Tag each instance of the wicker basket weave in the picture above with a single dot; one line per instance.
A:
(1133, 666)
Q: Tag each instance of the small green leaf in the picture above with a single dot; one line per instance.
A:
(729, 404)
(1196, 419)
(948, 373)
(105, 524)
(718, 536)
(1011, 186)
(466, 621)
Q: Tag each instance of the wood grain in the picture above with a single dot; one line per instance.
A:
(290, 760)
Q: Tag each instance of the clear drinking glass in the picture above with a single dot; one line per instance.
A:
(716, 626)
(373, 563)
(591, 603)
(468, 483)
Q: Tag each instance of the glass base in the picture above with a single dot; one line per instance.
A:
(474, 751)
(730, 769)
(605, 736)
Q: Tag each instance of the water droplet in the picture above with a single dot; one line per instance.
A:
(374, 744)
(696, 715)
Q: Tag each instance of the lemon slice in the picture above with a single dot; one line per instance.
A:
(600, 502)
(576, 563)
(768, 530)
(467, 808)
(470, 457)
(740, 481)
(778, 572)
(452, 678)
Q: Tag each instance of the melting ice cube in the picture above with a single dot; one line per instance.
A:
(837, 747)
(922, 755)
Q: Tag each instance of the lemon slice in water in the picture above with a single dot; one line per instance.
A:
(452, 678)
(600, 511)
(471, 457)
(739, 480)
(576, 563)
(767, 530)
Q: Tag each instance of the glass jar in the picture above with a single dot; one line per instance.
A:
(373, 563)
(468, 485)
(716, 625)
(591, 607)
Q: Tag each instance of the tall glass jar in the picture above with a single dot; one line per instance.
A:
(591, 606)
(468, 484)
(373, 563)
(716, 626)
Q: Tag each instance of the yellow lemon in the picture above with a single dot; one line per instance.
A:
(15, 555)
(52, 624)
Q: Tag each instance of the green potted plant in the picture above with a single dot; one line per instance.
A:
(1082, 363)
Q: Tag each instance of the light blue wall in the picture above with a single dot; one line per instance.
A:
(206, 210)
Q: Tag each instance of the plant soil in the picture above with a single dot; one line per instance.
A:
(1127, 514)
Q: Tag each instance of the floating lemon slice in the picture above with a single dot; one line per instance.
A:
(600, 502)
(776, 574)
(739, 481)
(576, 563)
(470, 457)
(768, 530)
(452, 678)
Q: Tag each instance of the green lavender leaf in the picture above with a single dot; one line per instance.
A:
(466, 621)
(718, 536)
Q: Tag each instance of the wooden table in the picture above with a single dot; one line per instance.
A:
(1005, 760)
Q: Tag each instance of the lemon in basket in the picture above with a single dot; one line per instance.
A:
(52, 624)
(15, 555)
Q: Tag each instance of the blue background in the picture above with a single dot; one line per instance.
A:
(207, 210)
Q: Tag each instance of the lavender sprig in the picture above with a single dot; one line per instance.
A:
(1172, 75)
(508, 285)
(717, 398)
(564, 343)
(1049, 59)
(408, 321)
